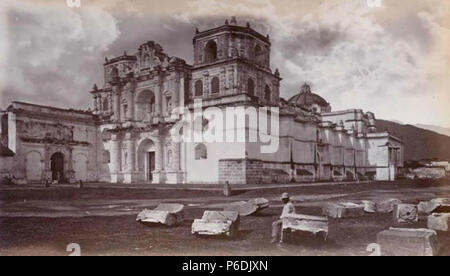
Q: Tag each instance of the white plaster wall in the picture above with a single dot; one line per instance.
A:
(378, 153)
(81, 166)
(207, 170)
(12, 132)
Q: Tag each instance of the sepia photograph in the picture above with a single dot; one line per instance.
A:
(224, 128)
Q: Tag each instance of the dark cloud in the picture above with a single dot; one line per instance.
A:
(175, 37)
(311, 41)
(352, 56)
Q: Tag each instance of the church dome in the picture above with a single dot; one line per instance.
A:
(308, 99)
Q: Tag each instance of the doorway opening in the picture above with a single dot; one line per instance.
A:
(150, 165)
(57, 166)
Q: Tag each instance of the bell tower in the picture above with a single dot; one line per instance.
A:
(232, 64)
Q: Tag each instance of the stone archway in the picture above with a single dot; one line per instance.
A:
(146, 155)
(57, 166)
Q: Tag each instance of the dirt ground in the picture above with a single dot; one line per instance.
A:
(39, 221)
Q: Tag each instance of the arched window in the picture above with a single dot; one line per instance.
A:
(198, 88)
(106, 157)
(169, 103)
(258, 53)
(251, 87)
(201, 152)
(114, 73)
(152, 104)
(145, 105)
(125, 110)
(267, 93)
(215, 85)
(210, 51)
(105, 104)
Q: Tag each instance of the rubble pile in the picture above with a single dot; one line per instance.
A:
(405, 213)
(407, 242)
(247, 208)
(314, 225)
(165, 213)
(217, 223)
(343, 210)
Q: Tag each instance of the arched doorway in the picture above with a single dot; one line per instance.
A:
(57, 166)
(146, 159)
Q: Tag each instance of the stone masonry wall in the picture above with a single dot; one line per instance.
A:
(248, 171)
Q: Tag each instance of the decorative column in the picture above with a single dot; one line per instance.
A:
(158, 95)
(181, 93)
(116, 102)
(173, 174)
(130, 172)
(176, 95)
(115, 158)
(236, 80)
(47, 161)
(130, 90)
(71, 174)
(111, 103)
(94, 104)
(231, 79)
(164, 110)
(159, 162)
(176, 157)
(223, 80)
(206, 84)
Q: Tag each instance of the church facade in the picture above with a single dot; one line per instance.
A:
(128, 137)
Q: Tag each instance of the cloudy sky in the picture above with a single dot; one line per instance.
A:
(393, 60)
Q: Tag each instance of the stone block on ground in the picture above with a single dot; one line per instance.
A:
(439, 221)
(262, 203)
(407, 242)
(169, 214)
(247, 208)
(387, 206)
(244, 208)
(216, 223)
(405, 213)
(306, 224)
(437, 205)
(343, 210)
(369, 206)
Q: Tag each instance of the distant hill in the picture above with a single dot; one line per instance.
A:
(438, 129)
(419, 143)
